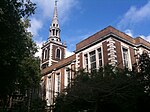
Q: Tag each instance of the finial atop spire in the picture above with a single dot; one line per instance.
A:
(56, 3)
(55, 10)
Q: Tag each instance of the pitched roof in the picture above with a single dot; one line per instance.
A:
(110, 30)
(58, 65)
(139, 40)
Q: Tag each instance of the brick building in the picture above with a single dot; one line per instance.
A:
(108, 46)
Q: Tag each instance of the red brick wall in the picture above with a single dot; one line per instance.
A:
(133, 60)
(119, 54)
(105, 52)
(72, 71)
(62, 78)
(54, 47)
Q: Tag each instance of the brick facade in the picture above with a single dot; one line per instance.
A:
(54, 48)
(110, 40)
(105, 52)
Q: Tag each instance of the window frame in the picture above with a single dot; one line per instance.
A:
(92, 59)
(58, 82)
(100, 59)
(125, 57)
(45, 56)
(86, 61)
(56, 51)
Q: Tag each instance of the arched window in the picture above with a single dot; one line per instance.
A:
(58, 53)
(46, 54)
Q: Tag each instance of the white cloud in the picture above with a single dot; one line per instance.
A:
(145, 37)
(39, 44)
(129, 32)
(64, 9)
(135, 15)
(69, 53)
(36, 25)
(47, 8)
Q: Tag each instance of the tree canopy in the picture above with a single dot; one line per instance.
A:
(144, 74)
(19, 68)
(108, 89)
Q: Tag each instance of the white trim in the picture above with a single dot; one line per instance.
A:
(77, 58)
(87, 51)
(129, 56)
(50, 54)
(54, 61)
(44, 53)
(65, 78)
(44, 62)
(97, 58)
(84, 62)
(111, 49)
(102, 55)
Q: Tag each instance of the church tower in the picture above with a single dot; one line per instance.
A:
(53, 50)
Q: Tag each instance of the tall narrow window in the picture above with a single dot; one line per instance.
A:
(53, 31)
(99, 57)
(86, 61)
(58, 83)
(68, 75)
(125, 57)
(46, 54)
(93, 60)
(58, 53)
(56, 32)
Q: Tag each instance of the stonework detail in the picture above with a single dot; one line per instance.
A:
(112, 57)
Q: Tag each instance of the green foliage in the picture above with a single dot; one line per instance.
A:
(19, 69)
(109, 89)
(144, 67)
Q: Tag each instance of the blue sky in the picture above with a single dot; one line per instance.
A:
(79, 19)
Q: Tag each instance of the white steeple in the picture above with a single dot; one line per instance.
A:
(54, 27)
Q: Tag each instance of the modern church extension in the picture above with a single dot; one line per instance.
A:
(108, 46)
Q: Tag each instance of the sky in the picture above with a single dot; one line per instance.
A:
(79, 19)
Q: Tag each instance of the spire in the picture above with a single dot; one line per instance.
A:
(55, 11)
(55, 3)
(54, 27)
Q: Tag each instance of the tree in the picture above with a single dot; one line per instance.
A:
(144, 67)
(109, 89)
(143, 74)
(19, 68)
